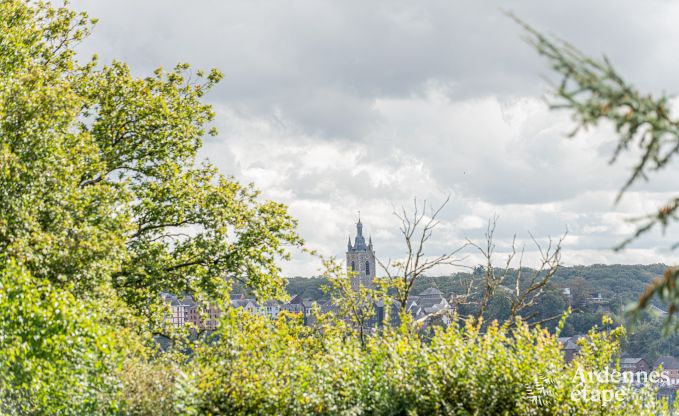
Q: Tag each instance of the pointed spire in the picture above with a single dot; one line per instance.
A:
(349, 244)
(370, 242)
(359, 241)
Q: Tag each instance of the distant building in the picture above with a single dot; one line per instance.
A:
(185, 310)
(361, 259)
(423, 306)
(570, 347)
(270, 308)
(295, 305)
(178, 310)
(249, 305)
(670, 367)
(430, 301)
(634, 364)
(597, 299)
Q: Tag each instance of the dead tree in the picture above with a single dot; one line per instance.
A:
(529, 283)
(416, 228)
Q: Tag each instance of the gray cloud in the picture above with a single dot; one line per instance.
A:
(322, 63)
(333, 107)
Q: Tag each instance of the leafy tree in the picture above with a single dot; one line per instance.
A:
(581, 291)
(550, 305)
(98, 177)
(307, 287)
(102, 208)
(357, 305)
(499, 308)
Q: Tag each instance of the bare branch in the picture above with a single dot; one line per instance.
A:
(417, 227)
(527, 289)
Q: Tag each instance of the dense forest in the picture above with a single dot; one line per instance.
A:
(618, 284)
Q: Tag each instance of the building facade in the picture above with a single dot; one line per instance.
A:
(361, 260)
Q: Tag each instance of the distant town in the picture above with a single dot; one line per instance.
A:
(360, 260)
(589, 290)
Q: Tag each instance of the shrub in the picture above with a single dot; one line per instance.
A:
(261, 367)
(56, 356)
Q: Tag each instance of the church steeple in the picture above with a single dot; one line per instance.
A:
(361, 259)
(359, 241)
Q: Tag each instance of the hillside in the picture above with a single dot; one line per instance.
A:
(618, 283)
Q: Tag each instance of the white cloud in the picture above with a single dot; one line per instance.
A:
(335, 107)
(513, 164)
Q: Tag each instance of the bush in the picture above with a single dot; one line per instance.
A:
(56, 356)
(261, 367)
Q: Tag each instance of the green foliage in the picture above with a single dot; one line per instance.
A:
(645, 338)
(56, 355)
(288, 369)
(152, 386)
(98, 177)
(102, 208)
(355, 303)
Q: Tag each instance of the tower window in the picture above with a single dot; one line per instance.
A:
(353, 266)
(367, 267)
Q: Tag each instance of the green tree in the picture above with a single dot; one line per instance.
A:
(581, 291)
(499, 308)
(102, 208)
(357, 305)
(98, 176)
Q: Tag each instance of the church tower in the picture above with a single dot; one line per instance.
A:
(361, 260)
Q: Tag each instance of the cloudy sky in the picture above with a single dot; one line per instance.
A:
(338, 106)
